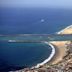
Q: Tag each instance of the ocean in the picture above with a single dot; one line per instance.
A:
(15, 56)
(28, 20)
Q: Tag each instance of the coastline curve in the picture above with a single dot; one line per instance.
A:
(49, 58)
(61, 31)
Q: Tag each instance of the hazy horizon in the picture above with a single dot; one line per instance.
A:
(37, 3)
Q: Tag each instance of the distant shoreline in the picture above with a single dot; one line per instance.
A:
(62, 31)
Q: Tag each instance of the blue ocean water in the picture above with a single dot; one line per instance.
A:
(22, 54)
(29, 21)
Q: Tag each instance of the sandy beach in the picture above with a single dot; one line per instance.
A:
(60, 47)
(56, 61)
(60, 52)
(67, 30)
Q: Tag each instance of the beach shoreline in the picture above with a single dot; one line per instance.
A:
(49, 58)
(59, 50)
(67, 30)
(60, 47)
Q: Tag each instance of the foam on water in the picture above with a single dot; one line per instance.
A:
(49, 58)
(70, 26)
